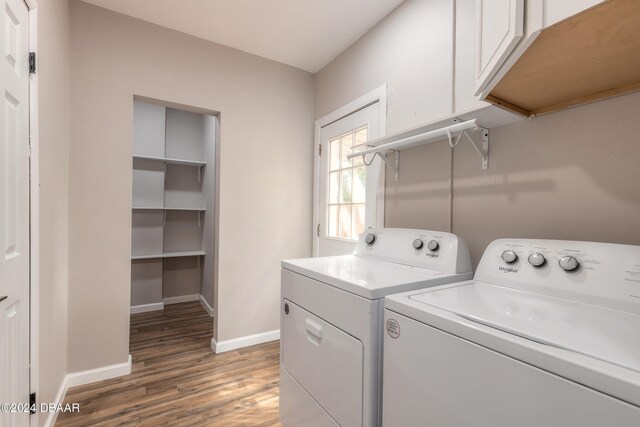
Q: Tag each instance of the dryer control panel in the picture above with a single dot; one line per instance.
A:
(435, 250)
(601, 273)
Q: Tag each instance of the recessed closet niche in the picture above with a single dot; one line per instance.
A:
(172, 206)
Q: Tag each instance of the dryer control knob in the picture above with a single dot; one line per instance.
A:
(370, 239)
(509, 256)
(537, 259)
(433, 245)
(569, 263)
(418, 244)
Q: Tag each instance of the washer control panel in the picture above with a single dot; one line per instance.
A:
(419, 248)
(431, 245)
(585, 271)
(537, 260)
(569, 263)
(509, 256)
(370, 239)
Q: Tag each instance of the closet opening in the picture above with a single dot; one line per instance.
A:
(173, 214)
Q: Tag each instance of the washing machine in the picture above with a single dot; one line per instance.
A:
(546, 334)
(332, 318)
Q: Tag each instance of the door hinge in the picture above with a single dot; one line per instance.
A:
(32, 62)
(318, 230)
(320, 150)
(32, 403)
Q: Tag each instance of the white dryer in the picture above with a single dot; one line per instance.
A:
(547, 334)
(332, 315)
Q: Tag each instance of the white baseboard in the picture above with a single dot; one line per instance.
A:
(52, 416)
(206, 305)
(147, 307)
(181, 298)
(222, 346)
(85, 377)
(99, 374)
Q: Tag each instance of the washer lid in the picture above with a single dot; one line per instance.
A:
(603, 333)
(369, 278)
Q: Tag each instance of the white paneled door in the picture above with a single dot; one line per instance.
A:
(348, 188)
(14, 213)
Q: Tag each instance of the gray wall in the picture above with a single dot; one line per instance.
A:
(211, 126)
(398, 51)
(569, 175)
(53, 130)
(265, 158)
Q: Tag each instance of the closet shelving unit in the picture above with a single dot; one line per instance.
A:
(171, 192)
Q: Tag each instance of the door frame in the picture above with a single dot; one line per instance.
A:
(34, 214)
(378, 95)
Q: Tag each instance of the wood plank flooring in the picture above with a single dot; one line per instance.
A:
(177, 380)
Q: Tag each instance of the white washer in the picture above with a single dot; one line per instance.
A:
(547, 334)
(331, 323)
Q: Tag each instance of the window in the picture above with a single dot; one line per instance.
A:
(347, 187)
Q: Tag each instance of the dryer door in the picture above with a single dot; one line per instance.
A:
(326, 361)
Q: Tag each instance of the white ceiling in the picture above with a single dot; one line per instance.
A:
(306, 34)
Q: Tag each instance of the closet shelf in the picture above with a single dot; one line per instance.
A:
(171, 161)
(159, 208)
(169, 255)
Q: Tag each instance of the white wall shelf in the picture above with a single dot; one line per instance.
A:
(169, 255)
(422, 135)
(171, 161)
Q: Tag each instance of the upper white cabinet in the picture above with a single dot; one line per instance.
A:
(499, 28)
(430, 28)
(467, 105)
(569, 52)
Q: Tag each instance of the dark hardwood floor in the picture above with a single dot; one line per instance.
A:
(176, 379)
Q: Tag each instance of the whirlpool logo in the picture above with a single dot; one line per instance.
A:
(508, 269)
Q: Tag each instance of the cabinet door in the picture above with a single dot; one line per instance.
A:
(499, 28)
(325, 361)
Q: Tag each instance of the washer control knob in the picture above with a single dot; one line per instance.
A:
(370, 239)
(433, 245)
(418, 244)
(537, 259)
(569, 263)
(509, 256)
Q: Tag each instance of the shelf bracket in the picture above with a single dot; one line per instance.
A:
(483, 151)
(485, 148)
(395, 167)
